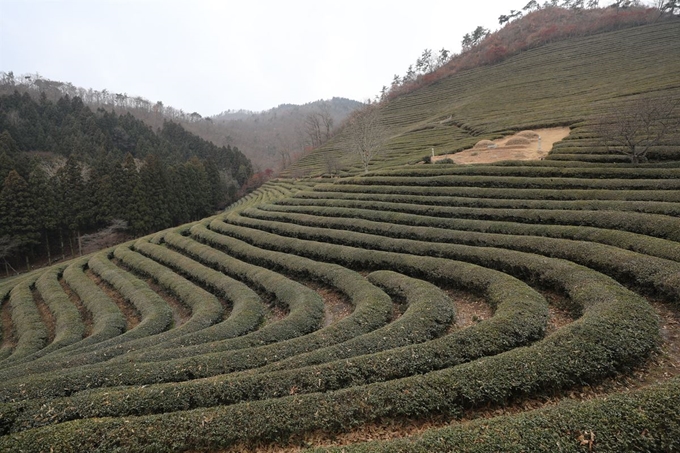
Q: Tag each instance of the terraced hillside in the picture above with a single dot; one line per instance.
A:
(565, 83)
(518, 306)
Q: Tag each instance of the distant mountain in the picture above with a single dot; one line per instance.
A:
(277, 137)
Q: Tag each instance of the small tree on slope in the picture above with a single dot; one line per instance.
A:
(634, 129)
(367, 135)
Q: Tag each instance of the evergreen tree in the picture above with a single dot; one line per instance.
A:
(74, 200)
(44, 199)
(101, 189)
(7, 144)
(154, 181)
(6, 165)
(17, 213)
(135, 204)
(179, 206)
(218, 189)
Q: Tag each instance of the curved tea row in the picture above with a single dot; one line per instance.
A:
(226, 333)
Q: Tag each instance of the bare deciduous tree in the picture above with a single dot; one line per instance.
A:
(635, 128)
(313, 129)
(331, 163)
(367, 134)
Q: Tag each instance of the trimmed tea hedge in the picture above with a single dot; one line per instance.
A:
(646, 420)
(612, 334)
(658, 276)
(31, 332)
(247, 309)
(658, 247)
(647, 224)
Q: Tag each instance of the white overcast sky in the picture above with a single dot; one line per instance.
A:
(210, 56)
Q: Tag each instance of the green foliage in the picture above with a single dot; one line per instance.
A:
(562, 83)
(179, 178)
(18, 215)
(616, 423)
(356, 273)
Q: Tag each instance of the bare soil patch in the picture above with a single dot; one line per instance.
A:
(85, 314)
(45, 314)
(180, 312)
(470, 308)
(525, 145)
(559, 314)
(336, 305)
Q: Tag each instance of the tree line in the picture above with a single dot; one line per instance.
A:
(68, 171)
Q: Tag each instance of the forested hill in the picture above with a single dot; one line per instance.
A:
(271, 139)
(68, 170)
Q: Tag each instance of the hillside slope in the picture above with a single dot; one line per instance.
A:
(517, 306)
(560, 84)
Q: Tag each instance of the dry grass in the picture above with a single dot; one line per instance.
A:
(518, 141)
(484, 144)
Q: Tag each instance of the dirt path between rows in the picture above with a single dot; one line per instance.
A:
(525, 145)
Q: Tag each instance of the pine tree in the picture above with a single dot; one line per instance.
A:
(45, 202)
(154, 180)
(74, 201)
(17, 213)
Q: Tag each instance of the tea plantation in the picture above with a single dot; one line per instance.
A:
(316, 311)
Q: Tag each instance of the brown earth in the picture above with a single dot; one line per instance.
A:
(499, 151)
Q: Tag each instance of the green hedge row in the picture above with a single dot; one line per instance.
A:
(534, 171)
(578, 283)
(107, 320)
(109, 325)
(661, 226)
(304, 306)
(205, 308)
(5, 288)
(671, 196)
(617, 330)
(658, 276)
(156, 316)
(429, 313)
(647, 245)
(517, 182)
(69, 327)
(655, 154)
(644, 421)
(30, 330)
(247, 308)
(520, 317)
(590, 158)
(306, 313)
(649, 207)
(422, 298)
